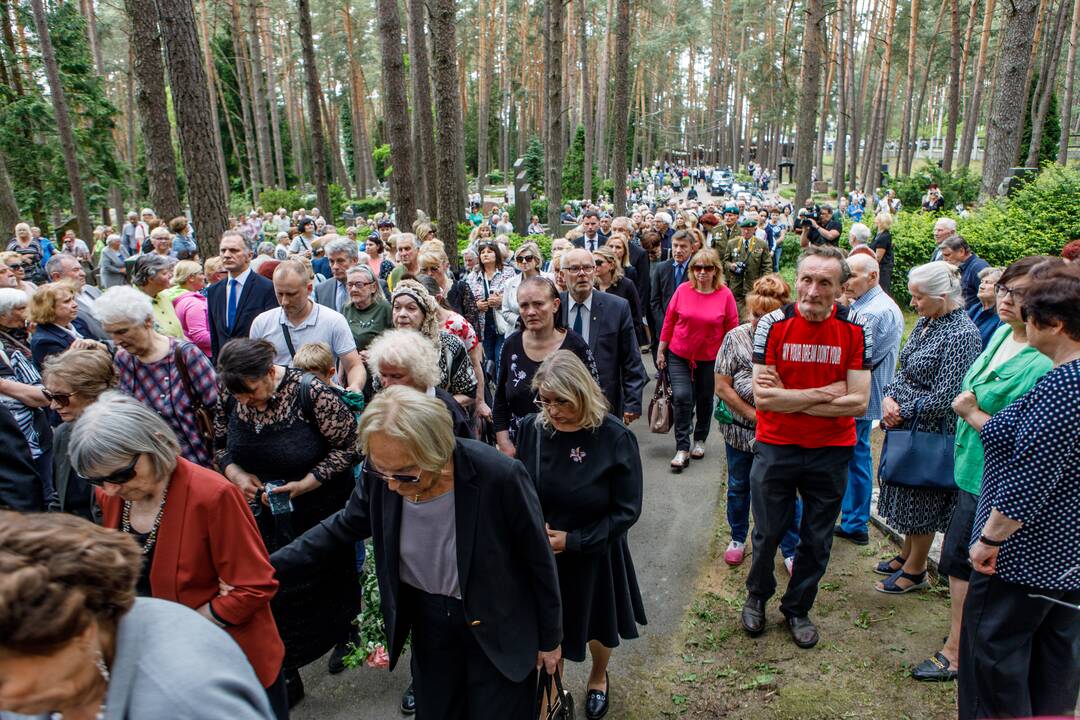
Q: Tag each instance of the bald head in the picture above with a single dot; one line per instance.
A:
(865, 273)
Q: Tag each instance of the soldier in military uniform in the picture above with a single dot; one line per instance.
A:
(745, 260)
(728, 230)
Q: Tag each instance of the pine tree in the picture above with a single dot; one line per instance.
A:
(1048, 145)
(573, 179)
(534, 165)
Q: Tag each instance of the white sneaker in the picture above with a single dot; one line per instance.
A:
(699, 451)
(680, 461)
(789, 563)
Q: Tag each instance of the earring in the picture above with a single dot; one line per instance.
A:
(99, 663)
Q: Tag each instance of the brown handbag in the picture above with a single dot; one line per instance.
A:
(660, 411)
(204, 418)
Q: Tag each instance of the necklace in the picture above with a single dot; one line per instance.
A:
(151, 538)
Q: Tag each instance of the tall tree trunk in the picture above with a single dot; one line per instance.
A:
(920, 103)
(212, 82)
(600, 129)
(311, 75)
(187, 80)
(361, 150)
(909, 89)
(450, 174)
(87, 9)
(63, 120)
(150, 99)
(553, 86)
(293, 105)
(337, 167)
(620, 109)
(954, 85)
(1041, 103)
(859, 108)
(420, 67)
(1004, 123)
(271, 96)
(9, 209)
(974, 108)
(504, 94)
(258, 97)
(243, 68)
(1070, 81)
(396, 111)
(483, 95)
(232, 142)
(586, 99)
(840, 148)
(809, 89)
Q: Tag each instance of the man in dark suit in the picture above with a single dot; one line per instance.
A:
(590, 225)
(669, 275)
(232, 303)
(342, 254)
(20, 487)
(463, 559)
(603, 320)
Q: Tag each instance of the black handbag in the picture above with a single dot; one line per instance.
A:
(549, 686)
(915, 459)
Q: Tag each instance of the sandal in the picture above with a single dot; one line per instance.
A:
(885, 567)
(934, 669)
(889, 586)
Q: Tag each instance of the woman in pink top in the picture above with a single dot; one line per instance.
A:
(698, 317)
(190, 303)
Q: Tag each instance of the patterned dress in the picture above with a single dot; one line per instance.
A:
(938, 354)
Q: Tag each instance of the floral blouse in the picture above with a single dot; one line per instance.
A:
(481, 287)
(459, 326)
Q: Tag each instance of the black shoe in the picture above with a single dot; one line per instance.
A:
(294, 687)
(934, 669)
(859, 537)
(803, 631)
(408, 701)
(336, 663)
(596, 701)
(753, 616)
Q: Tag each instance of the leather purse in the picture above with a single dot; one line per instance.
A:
(661, 415)
(204, 418)
(915, 459)
(549, 687)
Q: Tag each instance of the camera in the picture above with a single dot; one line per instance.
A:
(739, 269)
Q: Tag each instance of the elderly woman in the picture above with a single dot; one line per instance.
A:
(172, 377)
(214, 270)
(152, 274)
(883, 248)
(73, 381)
(111, 267)
(984, 313)
(459, 297)
(527, 259)
(183, 242)
(1007, 369)
(414, 309)
(55, 314)
(524, 351)
(463, 561)
(940, 349)
(31, 250)
(488, 283)
(189, 302)
(280, 431)
(87, 647)
(611, 278)
(1020, 649)
(20, 269)
(455, 324)
(367, 312)
(281, 248)
(699, 315)
(200, 543)
(586, 466)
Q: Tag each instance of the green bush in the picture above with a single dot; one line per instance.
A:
(543, 241)
(539, 208)
(368, 206)
(273, 199)
(463, 230)
(337, 203)
(607, 187)
(959, 187)
(380, 157)
(495, 177)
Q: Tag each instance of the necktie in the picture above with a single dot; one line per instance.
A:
(679, 272)
(577, 319)
(342, 295)
(230, 308)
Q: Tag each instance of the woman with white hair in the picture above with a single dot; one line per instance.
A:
(111, 267)
(940, 349)
(172, 377)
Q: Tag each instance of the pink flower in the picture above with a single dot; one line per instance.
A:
(378, 658)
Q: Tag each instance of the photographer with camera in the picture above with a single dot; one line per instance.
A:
(932, 200)
(820, 227)
(745, 259)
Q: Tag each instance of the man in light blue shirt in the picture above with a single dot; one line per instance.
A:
(885, 322)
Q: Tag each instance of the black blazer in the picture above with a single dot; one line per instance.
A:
(20, 487)
(256, 297)
(50, 339)
(614, 346)
(506, 570)
(639, 260)
(663, 289)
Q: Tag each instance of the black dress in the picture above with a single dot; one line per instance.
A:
(627, 290)
(589, 483)
(514, 396)
(279, 443)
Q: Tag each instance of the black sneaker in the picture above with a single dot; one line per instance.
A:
(859, 537)
(408, 701)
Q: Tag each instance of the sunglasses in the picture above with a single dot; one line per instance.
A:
(61, 399)
(119, 477)
(704, 268)
(19, 266)
(524, 258)
(407, 479)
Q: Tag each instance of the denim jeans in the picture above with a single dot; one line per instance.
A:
(493, 343)
(691, 390)
(776, 257)
(738, 502)
(855, 512)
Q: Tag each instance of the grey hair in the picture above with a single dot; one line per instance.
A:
(123, 304)
(864, 261)
(860, 232)
(265, 248)
(344, 245)
(114, 430)
(946, 222)
(147, 266)
(361, 269)
(114, 236)
(954, 243)
(406, 349)
(160, 231)
(148, 211)
(469, 251)
(988, 270)
(53, 266)
(830, 252)
(421, 423)
(939, 279)
(11, 298)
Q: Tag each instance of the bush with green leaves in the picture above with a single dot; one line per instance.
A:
(959, 187)
(573, 179)
(368, 206)
(539, 208)
(272, 199)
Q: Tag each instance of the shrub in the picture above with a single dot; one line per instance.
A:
(539, 208)
(368, 206)
(959, 187)
(573, 180)
(380, 157)
(337, 203)
(495, 177)
(273, 199)
(534, 165)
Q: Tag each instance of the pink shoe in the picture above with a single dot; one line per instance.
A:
(735, 553)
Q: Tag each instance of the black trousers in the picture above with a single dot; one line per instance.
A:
(452, 676)
(691, 394)
(1019, 656)
(278, 696)
(819, 476)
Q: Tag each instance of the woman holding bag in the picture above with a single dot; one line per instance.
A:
(942, 346)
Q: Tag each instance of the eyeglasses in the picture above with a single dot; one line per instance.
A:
(379, 475)
(522, 259)
(600, 262)
(19, 266)
(1004, 290)
(61, 399)
(704, 268)
(358, 284)
(119, 477)
(544, 403)
(579, 269)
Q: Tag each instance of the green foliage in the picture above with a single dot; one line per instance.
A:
(368, 206)
(272, 199)
(573, 180)
(534, 166)
(543, 241)
(337, 202)
(539, 208)
(957, 187)
(1048, 148)
(495, 177)
(463, 230)
(607, 187)
(380, 156)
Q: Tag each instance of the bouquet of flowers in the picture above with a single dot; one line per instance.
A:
(371, 648)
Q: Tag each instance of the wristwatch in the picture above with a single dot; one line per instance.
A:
(992, 543)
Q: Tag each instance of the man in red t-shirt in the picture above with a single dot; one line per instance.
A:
(811, 380)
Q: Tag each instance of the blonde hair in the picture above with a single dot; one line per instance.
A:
(184, 270)
(404, 349)
(564, 375)
(940, 279)
(212, 265)
(616, 269)
(626, 246)
(315, 357)
(432, 258)
(87, 371)
(707, 256)
(43, 301)
(421, 423)
(884, 220)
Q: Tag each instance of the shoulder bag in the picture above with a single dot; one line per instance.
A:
(661, 416)
(204, 418)
(915, 459)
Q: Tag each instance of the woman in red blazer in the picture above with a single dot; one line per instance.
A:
(201, 542)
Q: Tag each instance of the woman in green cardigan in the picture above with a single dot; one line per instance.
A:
(1005, 370)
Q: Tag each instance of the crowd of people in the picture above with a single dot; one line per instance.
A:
(222, 433)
